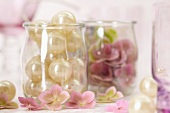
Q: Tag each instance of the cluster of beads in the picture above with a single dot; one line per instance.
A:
(63, 64)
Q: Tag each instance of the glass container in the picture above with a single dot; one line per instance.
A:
(161, 55)
(112, 52)
(53, 54)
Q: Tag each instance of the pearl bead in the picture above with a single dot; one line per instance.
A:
(141, 104)
(74, 41)
(50, 57)
(60, 70)
(36, 34)
(7, 88)
(73, 85)
(46, 84)
(30, 89)
(148, 87)
(63, 17)
(56, 43)
(33, 69)
(78, 66)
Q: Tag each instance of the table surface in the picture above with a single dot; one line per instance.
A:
(100, 108)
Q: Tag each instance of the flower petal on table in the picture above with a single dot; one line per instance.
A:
(46, 97)
(89, 105)
(55, 90)
(88, 96)
(63, 97)
(72, 105)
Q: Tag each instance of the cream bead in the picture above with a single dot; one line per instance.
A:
(78, 66)
(7, 88)
(36, 34)
(73, 85)
(56, 43)
(60, 70)
(33, 69)
(141, 104)
(74, 41)
(63, 17)
(148, 87)
(46, 84)
(30, 89)
(50, 57)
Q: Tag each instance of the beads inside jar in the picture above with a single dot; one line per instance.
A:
(54, 53)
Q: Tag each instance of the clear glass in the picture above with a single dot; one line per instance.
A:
(161, 55)
(54, 54)
(112, 54)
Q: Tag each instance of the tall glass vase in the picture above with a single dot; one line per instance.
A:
(161, 55)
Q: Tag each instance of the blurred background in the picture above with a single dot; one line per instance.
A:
(14, 12)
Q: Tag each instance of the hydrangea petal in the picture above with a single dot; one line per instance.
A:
(123, 103)
(111, 108)
(23, 101)
(111, 91)
(75, 97)
(118, 95)
(88, 96)
(54, 106)
(89, 105)
(55, 90)
(46, 97)
(72, 105)
(63, 97)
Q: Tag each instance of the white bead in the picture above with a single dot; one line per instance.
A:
(7, 88)
(141, 104)
(148, 87)
(34, 70)
(74, 41)
(60, 70)
(56, 43)
(63, 17)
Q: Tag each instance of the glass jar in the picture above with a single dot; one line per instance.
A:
(54, 54)
(112, 54)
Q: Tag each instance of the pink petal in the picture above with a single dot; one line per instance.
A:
(32, 102)
(55, 90)
(89, 105)
(75, 97)
(99, 68)
(111, 108)
(72, 105)
(88, 96)
(63, 97)
(53, 106)
(46, 97)
(122, 104)
(23, 101)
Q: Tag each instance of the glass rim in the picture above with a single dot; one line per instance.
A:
(103, 22)
(34, 25)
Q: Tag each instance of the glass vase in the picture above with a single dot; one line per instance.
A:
(54, 54)
(161, 55)
(112, 52)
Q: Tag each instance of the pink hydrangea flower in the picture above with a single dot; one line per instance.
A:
(78, 100)
(5, 104)
(54, 97)
(111, 95)
(29, 103)
(121, 106)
